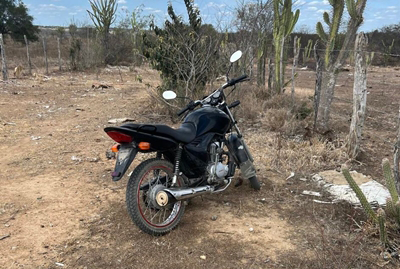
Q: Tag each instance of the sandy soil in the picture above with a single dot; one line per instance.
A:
(60, 209)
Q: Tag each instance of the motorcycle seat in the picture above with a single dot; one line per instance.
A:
(186, 133)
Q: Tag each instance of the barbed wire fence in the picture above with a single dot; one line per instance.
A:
(17, 53)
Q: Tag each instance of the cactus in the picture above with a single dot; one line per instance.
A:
(333, 24)
(387, 172)
(382, 226)
(284, 21)
(388, 51)
(103, 15)
(397, 214)
(360, 195)
(307, 51)
(390, 208)
(335, 61)
(370, 58)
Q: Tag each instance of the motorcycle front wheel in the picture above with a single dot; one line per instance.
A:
(147, 179)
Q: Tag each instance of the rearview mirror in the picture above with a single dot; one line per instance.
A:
(169, 95)
(236, 56)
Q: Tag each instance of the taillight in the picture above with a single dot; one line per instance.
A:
(120, 137)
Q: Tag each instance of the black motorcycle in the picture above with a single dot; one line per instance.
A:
(199, 157)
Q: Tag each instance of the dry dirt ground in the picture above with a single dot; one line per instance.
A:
(60, 209)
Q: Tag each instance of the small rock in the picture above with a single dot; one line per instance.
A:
(290, 176)
(386, 255)
(110, 155)
(74, 158)
(312, 193)
(122, 120)
(251, 229)
(214, 218)
(303, 179)
(60, 264)
(203, 257)
(35, 137)
(263, 200)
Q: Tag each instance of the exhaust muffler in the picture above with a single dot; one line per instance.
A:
(187, 193)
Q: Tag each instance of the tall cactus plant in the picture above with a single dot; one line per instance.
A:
(360, 195)
(355, 9)
(307, 51)
(284, 21)
(333, 24)
(103, 15)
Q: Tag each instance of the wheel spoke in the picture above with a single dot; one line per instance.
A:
(151, 212)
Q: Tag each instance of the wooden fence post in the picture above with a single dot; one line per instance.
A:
(296, 53)
(27, 54)
(59, 53)
(396, 157)
(359, 96)
(45, 55)
(318, 82)
(3, 58)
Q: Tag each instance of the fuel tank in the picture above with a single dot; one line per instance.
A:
(209, 120)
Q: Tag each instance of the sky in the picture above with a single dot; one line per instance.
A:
(378, 13)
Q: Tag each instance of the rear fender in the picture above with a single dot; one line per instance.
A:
(157, 143)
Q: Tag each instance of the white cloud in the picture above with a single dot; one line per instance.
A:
(72, 13)
(121, 1)
(212, 4)
(51, 7)
(319, 3)
(322, 11)
(312, 8)
(157, 11)
(392, 7)
(148, 8)
(124, 8)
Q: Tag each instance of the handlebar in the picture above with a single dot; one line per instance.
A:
(234, 104)
(230, 83)
(235, 80)
(190, 106)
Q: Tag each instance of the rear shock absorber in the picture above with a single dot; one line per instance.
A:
(177, 161)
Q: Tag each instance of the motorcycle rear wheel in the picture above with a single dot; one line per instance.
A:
(147, 215)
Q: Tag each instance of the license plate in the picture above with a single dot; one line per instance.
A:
(126, 155)
(123, 155)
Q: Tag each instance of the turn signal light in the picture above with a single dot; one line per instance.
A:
(115, 148)
(144, 145)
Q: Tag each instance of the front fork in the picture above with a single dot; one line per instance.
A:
(240, 151)
(241, 155)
